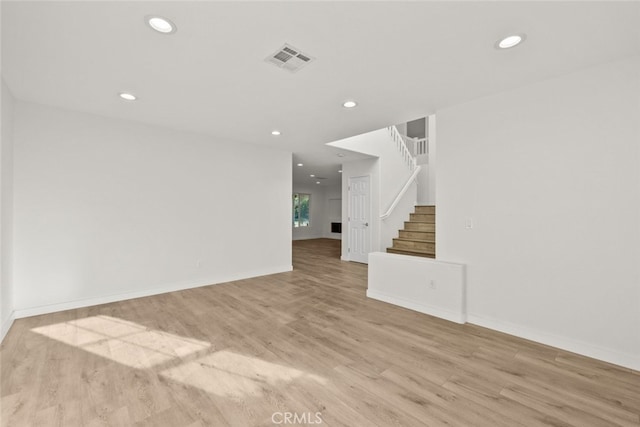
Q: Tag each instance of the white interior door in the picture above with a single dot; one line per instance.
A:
(359, 218)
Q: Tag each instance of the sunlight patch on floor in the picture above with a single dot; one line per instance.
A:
(122, 341)
(229, 374)
(223, 373)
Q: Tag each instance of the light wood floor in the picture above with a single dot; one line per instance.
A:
(304, 342)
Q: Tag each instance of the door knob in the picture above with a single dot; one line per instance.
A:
(366, 224)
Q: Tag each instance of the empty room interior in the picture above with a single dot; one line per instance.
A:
(385, 213)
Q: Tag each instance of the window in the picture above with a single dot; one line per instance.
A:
(301, 210)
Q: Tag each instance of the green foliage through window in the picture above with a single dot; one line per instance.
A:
(301, 210)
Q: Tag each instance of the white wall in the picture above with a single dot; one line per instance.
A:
(107, 209)
(6, 211)
(433, 161)
(423, 186)
(427, 176)
(333, 210)
(549, 175)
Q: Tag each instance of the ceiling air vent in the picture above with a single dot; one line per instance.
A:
(289, 58)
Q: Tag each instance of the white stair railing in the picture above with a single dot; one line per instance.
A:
(404, 189)
(402, 146)
(420, 146)
(406, 146)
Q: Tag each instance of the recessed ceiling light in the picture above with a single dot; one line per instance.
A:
(127, 96)
(340, 154)
(317, 182)
(510, 41)
(160, 24)
(340, 171)
(349, 104)
(300, 164)
(275, 132)
(312, 175)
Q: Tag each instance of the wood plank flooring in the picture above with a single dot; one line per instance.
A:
(302, 343)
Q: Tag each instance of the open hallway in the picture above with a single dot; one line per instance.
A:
(306, 342)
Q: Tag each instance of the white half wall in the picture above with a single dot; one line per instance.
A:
(6, 210)
(548, 177)
(420, 284)
(107, 209)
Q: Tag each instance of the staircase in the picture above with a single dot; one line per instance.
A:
(418, 238)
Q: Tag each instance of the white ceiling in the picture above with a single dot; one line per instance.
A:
(399, 60)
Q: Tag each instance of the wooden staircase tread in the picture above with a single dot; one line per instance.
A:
(419, 226)
(417, 231)
(405, 239)
(417, 252)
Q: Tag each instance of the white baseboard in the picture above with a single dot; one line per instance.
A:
(311, 237)
(105, 299)
(6, 325)
(442, 313)
(626, 360)
(334, 236)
